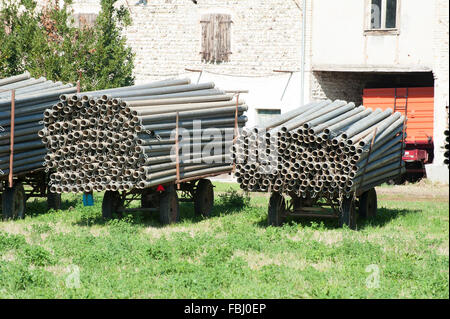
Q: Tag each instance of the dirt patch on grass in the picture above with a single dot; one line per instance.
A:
(402, 198)
(57, 270)
(15, 228)
(203, 226)
(10, 255)
(60, 227)
(329, 238)
(257, 260)
(421, 191)
(442, 250)
(98, 232)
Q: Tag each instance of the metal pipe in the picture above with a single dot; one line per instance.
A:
(16, 78)
(32, 98)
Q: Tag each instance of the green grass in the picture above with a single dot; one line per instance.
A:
(233, 254)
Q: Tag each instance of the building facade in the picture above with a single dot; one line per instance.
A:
(168, 38)
(289, 52)
(383, 44)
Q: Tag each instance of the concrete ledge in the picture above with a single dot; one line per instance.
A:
(369, 68)
(437, 173)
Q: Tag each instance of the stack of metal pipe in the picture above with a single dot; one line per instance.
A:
(323, 149)
(127, 138)
(32, 97)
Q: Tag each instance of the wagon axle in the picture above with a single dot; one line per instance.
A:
(344, 210)
(166, 202)
(13, 199)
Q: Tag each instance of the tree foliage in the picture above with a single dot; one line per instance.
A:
(46, 42)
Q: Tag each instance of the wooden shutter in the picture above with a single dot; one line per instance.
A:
(85, 20)
(216, 38)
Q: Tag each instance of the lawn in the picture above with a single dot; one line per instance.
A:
(73, 253)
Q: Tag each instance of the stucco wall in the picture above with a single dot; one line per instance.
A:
(440, 71)
(339, 36)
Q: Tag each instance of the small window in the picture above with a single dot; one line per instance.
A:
(85, 20)
(383, 14)
(375, 15)
(216, 39)
(265, 115)
(391, 14)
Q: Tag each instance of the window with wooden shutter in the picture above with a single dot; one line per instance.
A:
(85, 20)
(216, 39)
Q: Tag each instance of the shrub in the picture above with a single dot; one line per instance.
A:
(47, 43)
(234, 200)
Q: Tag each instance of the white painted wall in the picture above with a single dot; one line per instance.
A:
(337, 32)
(339, 36)
(264, 92)
(341, 42)
(441, 88)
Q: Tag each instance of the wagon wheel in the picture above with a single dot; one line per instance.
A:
(112, 201)
(347, 213)
(277, 210)
(14, 202)
(53, 200)
(204, 198)
(368, 204)
(169, 209)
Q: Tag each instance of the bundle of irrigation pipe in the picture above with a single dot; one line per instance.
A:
(323, 149)
(23, 100)
(140, 136)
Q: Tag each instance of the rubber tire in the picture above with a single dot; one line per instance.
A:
(348, 213)
(14, 202)
(169, 207)
(368, 204)
(204, 198)
(111, 203)
(53, 201)
(276, 210)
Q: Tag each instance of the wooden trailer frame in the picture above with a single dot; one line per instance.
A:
(164, 198)
(13, 199)
(343, 209)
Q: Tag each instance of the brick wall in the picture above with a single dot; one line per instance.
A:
(166, 36)
(338, 85)
(79, 6)
(440, 48)
(440, 71)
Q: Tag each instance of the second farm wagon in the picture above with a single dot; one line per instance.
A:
(327, 153)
